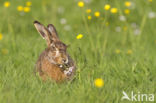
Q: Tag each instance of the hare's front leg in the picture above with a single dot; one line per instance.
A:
(53, 71)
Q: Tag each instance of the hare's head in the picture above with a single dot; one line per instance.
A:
(56, 49)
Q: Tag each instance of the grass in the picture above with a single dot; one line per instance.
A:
(94, 54)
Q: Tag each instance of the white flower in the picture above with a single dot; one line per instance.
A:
(118, 29)
(22, 13)
(122, 18)
(134, 25)
(67, 27)
(151, 14)
(132, 5)
(63, 21)
(87, 1)
(60, 10)
(137, 32)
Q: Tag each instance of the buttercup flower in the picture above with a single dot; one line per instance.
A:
(20, 8)
(88, 11)
(114, 10)
(128, 3)
(102, 18)
(99, 82)
(126, 11)
(150, 0)
(125, 28)
(129, 51)
(4, 51)
(97, 13)
(6, 4)
(79, 36)
(117, 51)
(26, 9)
(80, 4)
(107, 23)
(1, 36)
(107, 7)
(89, 17)
(28, 3)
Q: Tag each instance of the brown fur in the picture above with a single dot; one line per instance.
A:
(48, 70)
(54, 61)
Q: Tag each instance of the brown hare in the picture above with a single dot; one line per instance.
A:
(54, 62)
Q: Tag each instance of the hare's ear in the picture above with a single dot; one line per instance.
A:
(44, 32)
(53, 32)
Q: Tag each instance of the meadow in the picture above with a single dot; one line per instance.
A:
(113, 43)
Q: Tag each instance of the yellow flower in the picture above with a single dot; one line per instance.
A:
(150, 0)
(97, 13)
(88, 11)
(99, 82)
(107, 7)
(20, 8)
(114, 10)
(1, 36)
(28, 3)
(127, 11)
(26, 9)
(125, 28)
(107, 23)
(6, 4)
(79, 36)
(89, 17)
(128, 3)
(102, 18)
(117, 51)
(80, 4)
(4, 51)
(129, 51)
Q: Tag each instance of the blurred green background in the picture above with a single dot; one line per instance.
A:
(113, 43)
